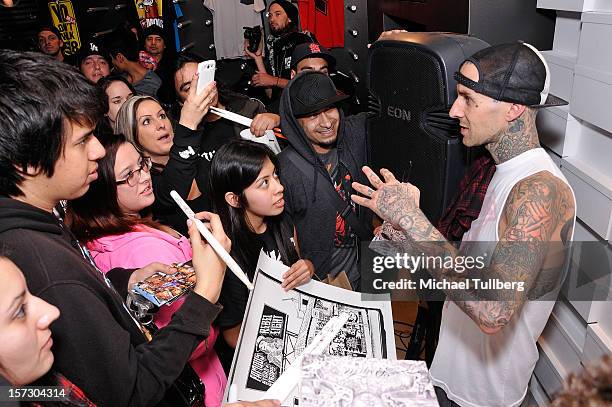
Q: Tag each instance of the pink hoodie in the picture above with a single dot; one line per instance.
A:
(147, 245)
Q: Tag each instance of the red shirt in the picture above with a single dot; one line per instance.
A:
(325, 19)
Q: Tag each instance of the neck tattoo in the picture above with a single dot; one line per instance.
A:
(519, 136)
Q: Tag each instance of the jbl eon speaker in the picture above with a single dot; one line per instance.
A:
(411, 90)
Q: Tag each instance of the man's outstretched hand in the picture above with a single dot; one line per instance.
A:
(391, 200)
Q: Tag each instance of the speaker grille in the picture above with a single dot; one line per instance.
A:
(408, 82)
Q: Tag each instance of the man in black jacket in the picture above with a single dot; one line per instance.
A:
(327, 151)
(275, 72)
(48, 154)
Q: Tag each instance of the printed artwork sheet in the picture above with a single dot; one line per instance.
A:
(278, 325)
(329, 381)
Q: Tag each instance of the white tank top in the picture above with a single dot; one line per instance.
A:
(480, 370)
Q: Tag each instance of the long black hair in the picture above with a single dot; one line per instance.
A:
(234, 167)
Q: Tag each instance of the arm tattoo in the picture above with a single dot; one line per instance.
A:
(536, 208)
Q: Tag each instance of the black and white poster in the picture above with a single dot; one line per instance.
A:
(278, 326)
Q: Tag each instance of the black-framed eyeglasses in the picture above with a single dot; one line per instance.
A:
(134, 176)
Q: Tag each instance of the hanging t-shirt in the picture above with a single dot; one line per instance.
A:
(229, 19)
(325, 19)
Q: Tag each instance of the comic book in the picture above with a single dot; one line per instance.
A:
(163, 288)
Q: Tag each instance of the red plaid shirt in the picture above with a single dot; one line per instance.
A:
(466, 205)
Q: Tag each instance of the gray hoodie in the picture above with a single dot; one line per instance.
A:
(314, 216)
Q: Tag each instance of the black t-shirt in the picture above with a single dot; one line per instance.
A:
(214, 135)
(166, 93)
(217, 133)
(280, 50)
(234, 294)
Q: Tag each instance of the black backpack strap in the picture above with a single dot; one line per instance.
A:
(345, 209)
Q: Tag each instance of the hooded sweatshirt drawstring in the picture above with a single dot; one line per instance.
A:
(314, 184)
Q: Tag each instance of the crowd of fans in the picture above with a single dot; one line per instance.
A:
(89, 155)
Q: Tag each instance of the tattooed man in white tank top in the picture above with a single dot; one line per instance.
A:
(487, 347)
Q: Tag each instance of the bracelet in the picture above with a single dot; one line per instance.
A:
(277, 79)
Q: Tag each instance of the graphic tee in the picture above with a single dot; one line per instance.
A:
(344, 256)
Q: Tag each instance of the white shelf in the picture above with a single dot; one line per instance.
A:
(595, 50)
(591, 100)
(560, 343)
(598, 180)
(537, 393)
(581, 72)
(573, 329)
(561, 67)
(561, 58)
(567, 32)
(576, 5)
(588, 148)
(597, 344)
(593, 196)
(552, 124)
(598, 16)
(549, 370)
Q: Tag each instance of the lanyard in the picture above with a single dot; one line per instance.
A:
(87, 256)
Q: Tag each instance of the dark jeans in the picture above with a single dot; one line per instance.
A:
(444, 401)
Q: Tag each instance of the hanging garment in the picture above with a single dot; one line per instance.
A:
(325, 19)
(229, 18)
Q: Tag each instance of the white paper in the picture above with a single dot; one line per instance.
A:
(278, 326)
(285, 385)
(269, 139)
(341, 382)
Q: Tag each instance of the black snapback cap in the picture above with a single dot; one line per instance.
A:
(311, 91)
(311, 50)
(515, 73)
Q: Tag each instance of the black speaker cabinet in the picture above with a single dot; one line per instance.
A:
(495, 21)
(412, 86)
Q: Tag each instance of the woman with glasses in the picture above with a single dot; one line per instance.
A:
(173, 148)
(112, 219)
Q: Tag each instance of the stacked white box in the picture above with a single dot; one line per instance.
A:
(581, 69)
(579, 6)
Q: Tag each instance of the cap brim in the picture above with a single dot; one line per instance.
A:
(81, 57)
(330, 59)
(551, 101)
(321, 105)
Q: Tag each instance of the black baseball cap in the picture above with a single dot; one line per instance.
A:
(515, 73)
(50, 28)
(91, 47)
(311, 50)
(153, 30)
(311, 91)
